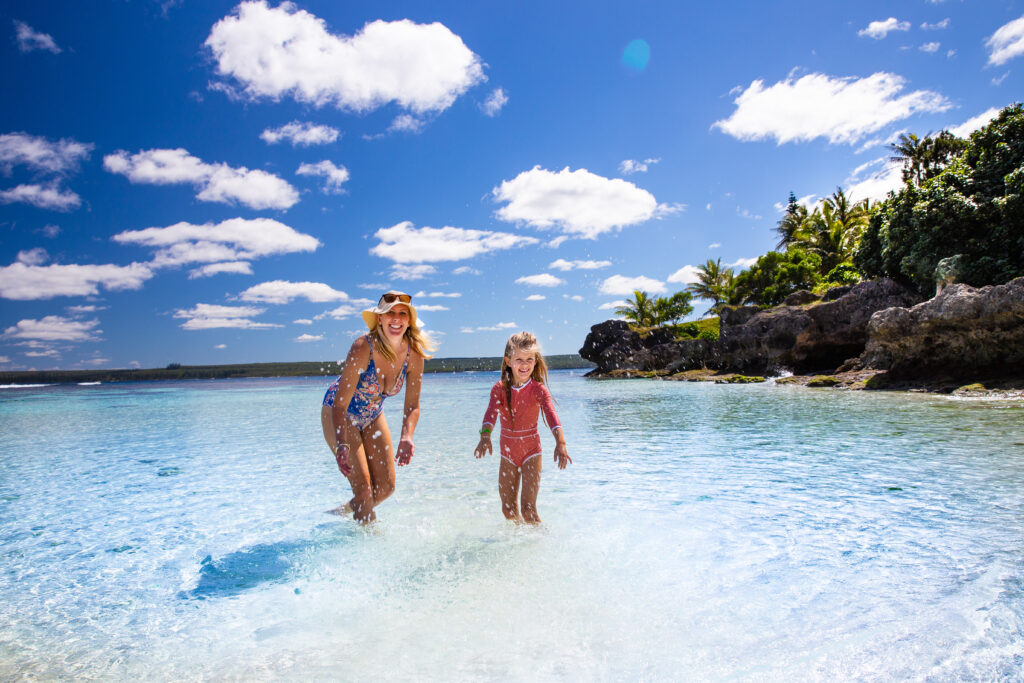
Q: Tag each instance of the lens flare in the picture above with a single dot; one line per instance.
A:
(636, 55)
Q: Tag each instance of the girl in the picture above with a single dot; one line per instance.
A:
(518, 397)
(377, 366)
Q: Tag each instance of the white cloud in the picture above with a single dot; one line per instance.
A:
(975, 123)
(285, 51)
(302, 321)
(23, 282)
(686, 275)
(339, 313)
(406, 244)
(742, 263)
(216, 182)
(998, 80)
(880, 29)
(372, 285)
(619, 285)
(236, 239)
(536, 297)
(304, 338)
(54, 328)
(300, 134)
(613, 305)
(578, 203)
(930, 47)
(209, 270)
(33, 257)
(563, 265)
(630, 166)
(842, 110)
(5, 359)
(466, 270)
(746, 213)
(1006, 43)
(51, 231)
(489, 328)
(405, 271)
(212, 316)
(936, 26)
(432, 307)
(406, 123)
(875, 179)
(437, 295)
(494, 103)
(336, 175)
(79, 310)
(283, 292)
(49, 197)
(540, 280)
(41, 155)
(714, 245)
(29, 39)
(220, 346)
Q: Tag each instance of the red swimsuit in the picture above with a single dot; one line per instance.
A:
(520, 441)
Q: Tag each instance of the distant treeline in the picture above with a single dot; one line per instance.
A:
(301, 369)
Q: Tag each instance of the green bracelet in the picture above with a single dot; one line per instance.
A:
(486, 430)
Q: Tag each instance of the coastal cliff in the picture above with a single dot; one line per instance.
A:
(873, 328)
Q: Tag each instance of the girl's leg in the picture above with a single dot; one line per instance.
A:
(380, 459)
(508, 489)
(531, 487)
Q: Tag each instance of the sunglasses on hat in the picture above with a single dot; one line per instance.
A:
(391, 297)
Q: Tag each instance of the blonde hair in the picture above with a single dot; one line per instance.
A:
(521, 341)
(418, 341)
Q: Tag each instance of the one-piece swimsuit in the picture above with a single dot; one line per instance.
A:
(368, 399)
(520, 440)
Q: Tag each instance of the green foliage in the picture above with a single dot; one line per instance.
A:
(973, 208)
(647, 313)
(843, 274)
(708, 334)
(173, 366)
(716, 284)
(776, 275)
(639, 310)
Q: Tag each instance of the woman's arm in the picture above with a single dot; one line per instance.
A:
(411, 413)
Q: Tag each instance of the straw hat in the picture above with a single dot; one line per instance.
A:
(387, 301)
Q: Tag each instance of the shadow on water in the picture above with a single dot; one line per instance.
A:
(249, 568)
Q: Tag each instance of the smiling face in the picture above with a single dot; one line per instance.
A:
(394, 323)
(522, 362)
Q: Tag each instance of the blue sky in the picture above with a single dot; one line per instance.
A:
(224, 182)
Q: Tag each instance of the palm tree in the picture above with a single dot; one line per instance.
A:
(714, 283)
(789, 226)
(912, 152)
(672, 308)
(833, 230)
(639, 310)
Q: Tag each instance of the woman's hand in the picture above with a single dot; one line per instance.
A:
(406, 449)
(341, 456)
(562, 456)
(484, 445)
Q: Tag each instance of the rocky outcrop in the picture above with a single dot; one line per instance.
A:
(961, 333)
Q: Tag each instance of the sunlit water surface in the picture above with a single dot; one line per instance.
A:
(178, 530)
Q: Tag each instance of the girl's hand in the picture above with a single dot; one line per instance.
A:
(562, 456)
(341, 457)
(484, 445)
(405, 452)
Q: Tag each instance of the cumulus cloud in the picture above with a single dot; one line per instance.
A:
(30, 39)
(466, 270)
(630, 166)
(489, 328)
(437, 295)
(406, 123)
(407, 244)
(41, 155)
(432, 307)
(211, 269)
(54, 328)
(212, 316)
(341, 312)
(611, 305)
(25, 282)
(536, 297)
(620, 285)
(930, 47)
(236, 239)
(284, 51)
(540, 280)
(494, 103)
(939, 25)
(842, 110)
(49, 197)
(563, 265)
(578, 203)
(1006, 43)
(300, 134)
(975, 123)
(304, 338)
(742, 263)
(283, 292)
(215, 182)
(406, 271)
(880, 29)
(335, 176)
(686, 275)
(33, 257)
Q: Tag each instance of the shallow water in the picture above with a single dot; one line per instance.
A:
(178, 530)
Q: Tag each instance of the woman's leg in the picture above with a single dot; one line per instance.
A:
(380, 459)
(359, 478)
(508, 489)
(531, 487)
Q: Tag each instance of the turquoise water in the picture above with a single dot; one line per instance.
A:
(178, 530)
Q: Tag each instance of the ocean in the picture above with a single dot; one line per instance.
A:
(179, 530)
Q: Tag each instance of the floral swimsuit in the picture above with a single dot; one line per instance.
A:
(368, 400)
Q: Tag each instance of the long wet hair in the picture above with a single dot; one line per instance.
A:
(521, 341)
(417, 339)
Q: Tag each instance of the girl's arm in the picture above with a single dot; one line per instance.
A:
(411, 414)
(490, 419)
(551, 417)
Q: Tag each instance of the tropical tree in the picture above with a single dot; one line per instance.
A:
(668, 310)
(776, 275)
(789, 225)
(833, 230)
(910, 150)
(639, 310)
(715, 284)
(925, 158)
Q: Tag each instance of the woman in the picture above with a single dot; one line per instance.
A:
(377, 366)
